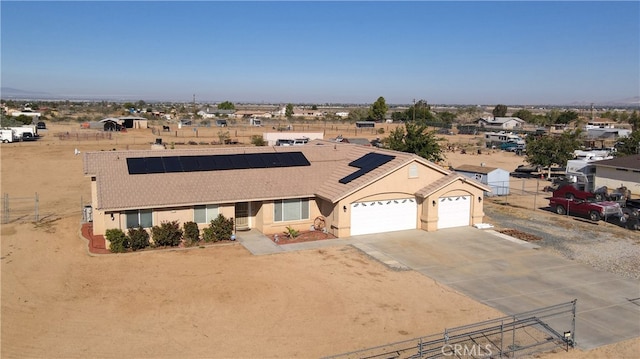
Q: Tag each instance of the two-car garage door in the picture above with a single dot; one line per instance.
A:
(383, 216)
(454, 211)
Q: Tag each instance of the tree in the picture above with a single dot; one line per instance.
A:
(629, 145)
(378, 110)
(634, 121)
(447, 117)
(414, 138)
(358, 114)
(314, 107)
(524, 114)
(226, 106)
(500, 111)
(24, 119)
(547, 151)
(288, 111)
(567, 117)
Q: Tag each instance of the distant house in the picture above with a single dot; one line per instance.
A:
(134, 122)
(619, 172)
(505, 123)
(213, 113)
(496, 178)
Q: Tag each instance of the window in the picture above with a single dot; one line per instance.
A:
(140, 218)
(205, 214)
(413, 171)
(291, 210)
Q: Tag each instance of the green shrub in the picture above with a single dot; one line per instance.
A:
(258, 140)
(291, 233)
(191, 233)
(138, 238)
(221, 228)
(207, 235)
(119, 241)
(167, 234)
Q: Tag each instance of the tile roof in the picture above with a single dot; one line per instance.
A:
(447, 180)
(117, 190)
(631, 162)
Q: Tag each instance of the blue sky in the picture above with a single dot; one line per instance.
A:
(509, 52)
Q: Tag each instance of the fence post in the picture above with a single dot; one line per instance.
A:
(36, 209)
(535, 197)
(6, 208)
(501, 338)
(573, 323)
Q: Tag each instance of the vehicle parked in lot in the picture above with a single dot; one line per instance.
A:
(590, 208)
(571, 191)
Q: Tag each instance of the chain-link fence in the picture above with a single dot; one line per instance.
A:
(24, 209)
(526, 333)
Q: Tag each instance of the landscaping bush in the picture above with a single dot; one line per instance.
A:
(138, 238)
(221, 228)
(191, 233)
(167, 234)
(207, 235)
(119, 241)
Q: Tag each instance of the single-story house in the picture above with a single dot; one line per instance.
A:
(134, 122)
(619, 172)
(351, 189)
(496, 178)
(505, 123)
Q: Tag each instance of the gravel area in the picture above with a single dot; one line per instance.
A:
(603, 245)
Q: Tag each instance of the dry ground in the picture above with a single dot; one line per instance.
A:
(58, 301)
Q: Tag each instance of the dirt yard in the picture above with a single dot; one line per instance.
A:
(60, 302)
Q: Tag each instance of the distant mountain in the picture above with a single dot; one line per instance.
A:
(626, 102)
(9, 92)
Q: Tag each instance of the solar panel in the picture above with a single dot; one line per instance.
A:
(366, 163)
(154, 165)
(255, 162)
(136, 166)
(189, 163)
(170, 164)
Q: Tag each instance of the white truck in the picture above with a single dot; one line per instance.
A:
(7, 135)
(25, 133)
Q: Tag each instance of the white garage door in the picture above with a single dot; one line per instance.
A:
(383, 216)
(454, 211)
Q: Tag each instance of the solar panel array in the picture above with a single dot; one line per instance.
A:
(172, 164)
(366, 163)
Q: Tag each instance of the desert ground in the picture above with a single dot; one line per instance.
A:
(58, 301)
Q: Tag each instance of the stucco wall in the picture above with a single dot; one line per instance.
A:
(429, 214)
(397, 184)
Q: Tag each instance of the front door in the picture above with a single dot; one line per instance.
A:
(242, 215)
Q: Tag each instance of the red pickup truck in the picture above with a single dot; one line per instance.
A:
(590, 208)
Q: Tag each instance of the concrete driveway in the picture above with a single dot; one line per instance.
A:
(513, 276)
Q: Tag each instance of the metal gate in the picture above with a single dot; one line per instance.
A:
(526, 333)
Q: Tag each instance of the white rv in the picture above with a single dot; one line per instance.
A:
(581, 169)
(7, 135)
(495, 139)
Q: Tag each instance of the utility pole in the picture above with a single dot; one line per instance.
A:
(414, 110)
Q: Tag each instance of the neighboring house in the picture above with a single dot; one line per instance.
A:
(272, 137)
(208, 113)
(352, 189)
(505, 123)
(496, 178)
(619, 172)
(249, 114)
(134, 122)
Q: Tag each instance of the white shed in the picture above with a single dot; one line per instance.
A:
(496, 178)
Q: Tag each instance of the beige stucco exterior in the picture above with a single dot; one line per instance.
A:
(404, 182)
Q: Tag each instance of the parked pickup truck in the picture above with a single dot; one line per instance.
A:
(595, 211)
